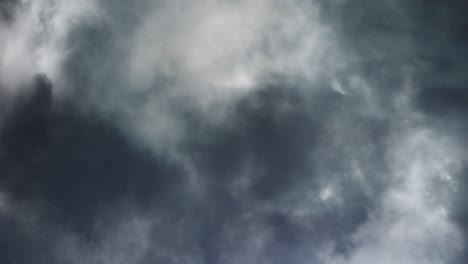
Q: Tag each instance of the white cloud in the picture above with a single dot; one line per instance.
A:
(412, 223)
(35, 42)
(216, 50)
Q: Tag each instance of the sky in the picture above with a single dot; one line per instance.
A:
(233, 131)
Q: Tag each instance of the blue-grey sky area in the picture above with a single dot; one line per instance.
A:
(233, 132)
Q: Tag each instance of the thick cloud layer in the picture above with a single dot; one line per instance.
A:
(233, 131)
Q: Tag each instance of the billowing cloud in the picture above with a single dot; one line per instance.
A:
(232, 131)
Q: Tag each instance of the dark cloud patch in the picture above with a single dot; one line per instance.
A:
(74, 167)
(77, 164)
(21, 242)
(268, 145)
(444, 101)
(269, 127)
(441, 59)
(7, 8)
(272, 149)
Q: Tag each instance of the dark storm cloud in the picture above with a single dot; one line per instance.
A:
(276, 134)
(74, 162)
(76, 167)
(151, 144)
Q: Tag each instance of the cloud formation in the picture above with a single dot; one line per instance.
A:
(232, 131)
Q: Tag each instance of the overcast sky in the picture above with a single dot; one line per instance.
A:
(233, 132)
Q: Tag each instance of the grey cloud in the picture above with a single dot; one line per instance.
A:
(233, 132)
(7, 9)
